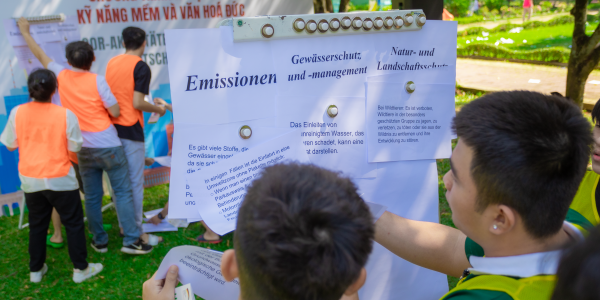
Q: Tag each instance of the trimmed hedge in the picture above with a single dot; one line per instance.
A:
(469, 20)
(528, 25)
(553, 54)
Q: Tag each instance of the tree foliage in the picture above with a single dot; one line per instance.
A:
(585, 53)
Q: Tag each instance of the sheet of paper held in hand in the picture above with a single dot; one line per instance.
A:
(201, 268)
(220, 189)
(198, 146)
(409, 126)
(332, 131)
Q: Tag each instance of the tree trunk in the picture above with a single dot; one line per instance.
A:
(344, 5)
(329, 6)
(319, 7)
(585, 54)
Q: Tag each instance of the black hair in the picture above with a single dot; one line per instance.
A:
(80, 55)
(578, 274)
(133, 38)
(530, 152)
(302, 232)
(41, 85)
(596, 112)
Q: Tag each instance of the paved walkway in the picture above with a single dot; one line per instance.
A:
(498, 76)
(490, 25)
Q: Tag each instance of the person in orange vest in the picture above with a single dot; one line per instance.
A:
(88, 96)
(128, 77)
(45, 133)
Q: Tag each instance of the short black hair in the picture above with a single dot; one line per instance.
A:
(80, 55)
(578, 274)
(530, 152)
(596, 112)
(302, 232)
(41, 85)
(133, 38)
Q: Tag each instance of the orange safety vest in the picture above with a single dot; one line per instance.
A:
(119, 76)
(42, 139)
(79, 93)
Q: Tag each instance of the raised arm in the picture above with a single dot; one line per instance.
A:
(430, 245)
(33, 46)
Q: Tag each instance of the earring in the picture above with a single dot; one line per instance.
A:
(495, 227)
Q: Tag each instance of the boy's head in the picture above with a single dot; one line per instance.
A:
(133, 38)
(579, 270)
(596, 131)
(517, 165)
(302, 233)
(80, 55)
(41, 85)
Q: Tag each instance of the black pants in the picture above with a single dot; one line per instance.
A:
(68, 206)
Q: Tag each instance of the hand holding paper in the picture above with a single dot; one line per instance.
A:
(201, 268)
(157, 289)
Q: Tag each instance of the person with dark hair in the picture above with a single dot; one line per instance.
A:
(88, 96)
(128, 77)
(45, 133)
(513, 174)
(586, 204)
(303, 232)
(578, 275)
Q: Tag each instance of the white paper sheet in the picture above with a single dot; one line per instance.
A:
(26, 59)
(431, 48)
(199, 146)
(404, 126)
(41, 33)
(220, 189)
(163, 226)
(196, 55)
(408, 189)
(376, 210)
(201, 268)
(163, 160)
(337, 143)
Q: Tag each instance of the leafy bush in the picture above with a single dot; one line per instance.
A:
(594, 6)
(495, 4)
(457, 7)
(527, 25)
(553, 54)
(469, 20)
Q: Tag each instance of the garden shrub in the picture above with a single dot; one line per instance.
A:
(553, 54)
(527, 25)
(495, 4)
(457, 7)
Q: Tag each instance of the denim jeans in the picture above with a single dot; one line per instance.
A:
(135, 152)
(92, 161)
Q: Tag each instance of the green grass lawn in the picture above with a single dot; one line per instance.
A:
(122, 276)
(530, 39)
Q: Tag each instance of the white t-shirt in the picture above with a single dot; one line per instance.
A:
(107, 138)
(74, 141)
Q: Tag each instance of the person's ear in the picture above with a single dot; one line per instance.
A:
(123, 43)
(358, 283)
(504, 220)
(229, 266)
(94, 58)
